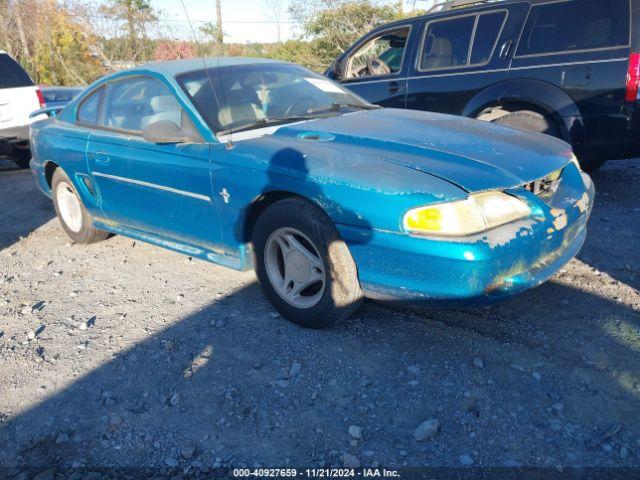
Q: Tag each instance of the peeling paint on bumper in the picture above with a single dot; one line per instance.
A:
(401, 268)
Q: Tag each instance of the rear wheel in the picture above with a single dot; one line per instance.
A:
(304, 267)
(73, 216)
(536, 122)
(529, 120)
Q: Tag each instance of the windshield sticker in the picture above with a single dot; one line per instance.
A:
(324, 85)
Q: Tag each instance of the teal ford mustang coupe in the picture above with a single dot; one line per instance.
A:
(262, 164)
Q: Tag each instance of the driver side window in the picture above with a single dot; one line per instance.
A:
(137, 102)
(381, 55)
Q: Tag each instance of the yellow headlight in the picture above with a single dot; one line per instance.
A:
(479, 212)
(424, 218)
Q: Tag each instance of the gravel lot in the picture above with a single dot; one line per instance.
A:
(123, 354)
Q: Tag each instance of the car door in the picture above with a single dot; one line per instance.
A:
(461, 55)
(164, 189)
(375, 69)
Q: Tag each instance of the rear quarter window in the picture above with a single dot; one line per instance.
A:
(575, 26)
(89, 109)
(12, 75)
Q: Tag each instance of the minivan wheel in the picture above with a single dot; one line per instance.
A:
(536, 122)
(304, 268)
(73, 216)
(529, 120)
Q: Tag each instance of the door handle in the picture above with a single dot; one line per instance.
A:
(395, 87)
(505, 49)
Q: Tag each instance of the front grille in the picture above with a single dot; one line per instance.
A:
(547, 186)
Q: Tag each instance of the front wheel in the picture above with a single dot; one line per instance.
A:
(304, 268)
(73, 216)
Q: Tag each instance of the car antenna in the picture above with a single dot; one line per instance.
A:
(206, 69)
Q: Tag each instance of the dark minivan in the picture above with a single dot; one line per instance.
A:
(569, 68)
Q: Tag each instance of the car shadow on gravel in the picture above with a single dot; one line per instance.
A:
(17, 192)
(218, 387)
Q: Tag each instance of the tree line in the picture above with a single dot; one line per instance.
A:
(73, 42)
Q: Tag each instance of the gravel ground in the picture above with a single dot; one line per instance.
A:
(121, 354)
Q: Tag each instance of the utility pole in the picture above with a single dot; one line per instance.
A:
(275, 11)
(219, 35)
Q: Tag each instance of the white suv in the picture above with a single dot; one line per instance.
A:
(19, 97)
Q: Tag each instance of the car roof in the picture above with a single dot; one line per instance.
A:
(178, 67)
(472, 8)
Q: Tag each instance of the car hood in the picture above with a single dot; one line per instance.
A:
(473, 155)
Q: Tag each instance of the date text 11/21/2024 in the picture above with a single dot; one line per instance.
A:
(315, 473)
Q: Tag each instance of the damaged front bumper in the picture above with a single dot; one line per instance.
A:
(483, 268)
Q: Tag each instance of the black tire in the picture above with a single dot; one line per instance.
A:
(342, 294)
(87, 233)
(530, 121)
(536, 122)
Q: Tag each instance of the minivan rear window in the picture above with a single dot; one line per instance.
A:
(12, 74)
(575, 26)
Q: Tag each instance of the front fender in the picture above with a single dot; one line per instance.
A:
(350, 187)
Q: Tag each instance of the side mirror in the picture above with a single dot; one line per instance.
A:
(337, 70)
(165, 132)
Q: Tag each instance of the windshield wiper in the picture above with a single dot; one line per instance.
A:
(336, 107)
(267, 122)
(263, 122)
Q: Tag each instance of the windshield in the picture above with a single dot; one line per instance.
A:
(252, 96)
